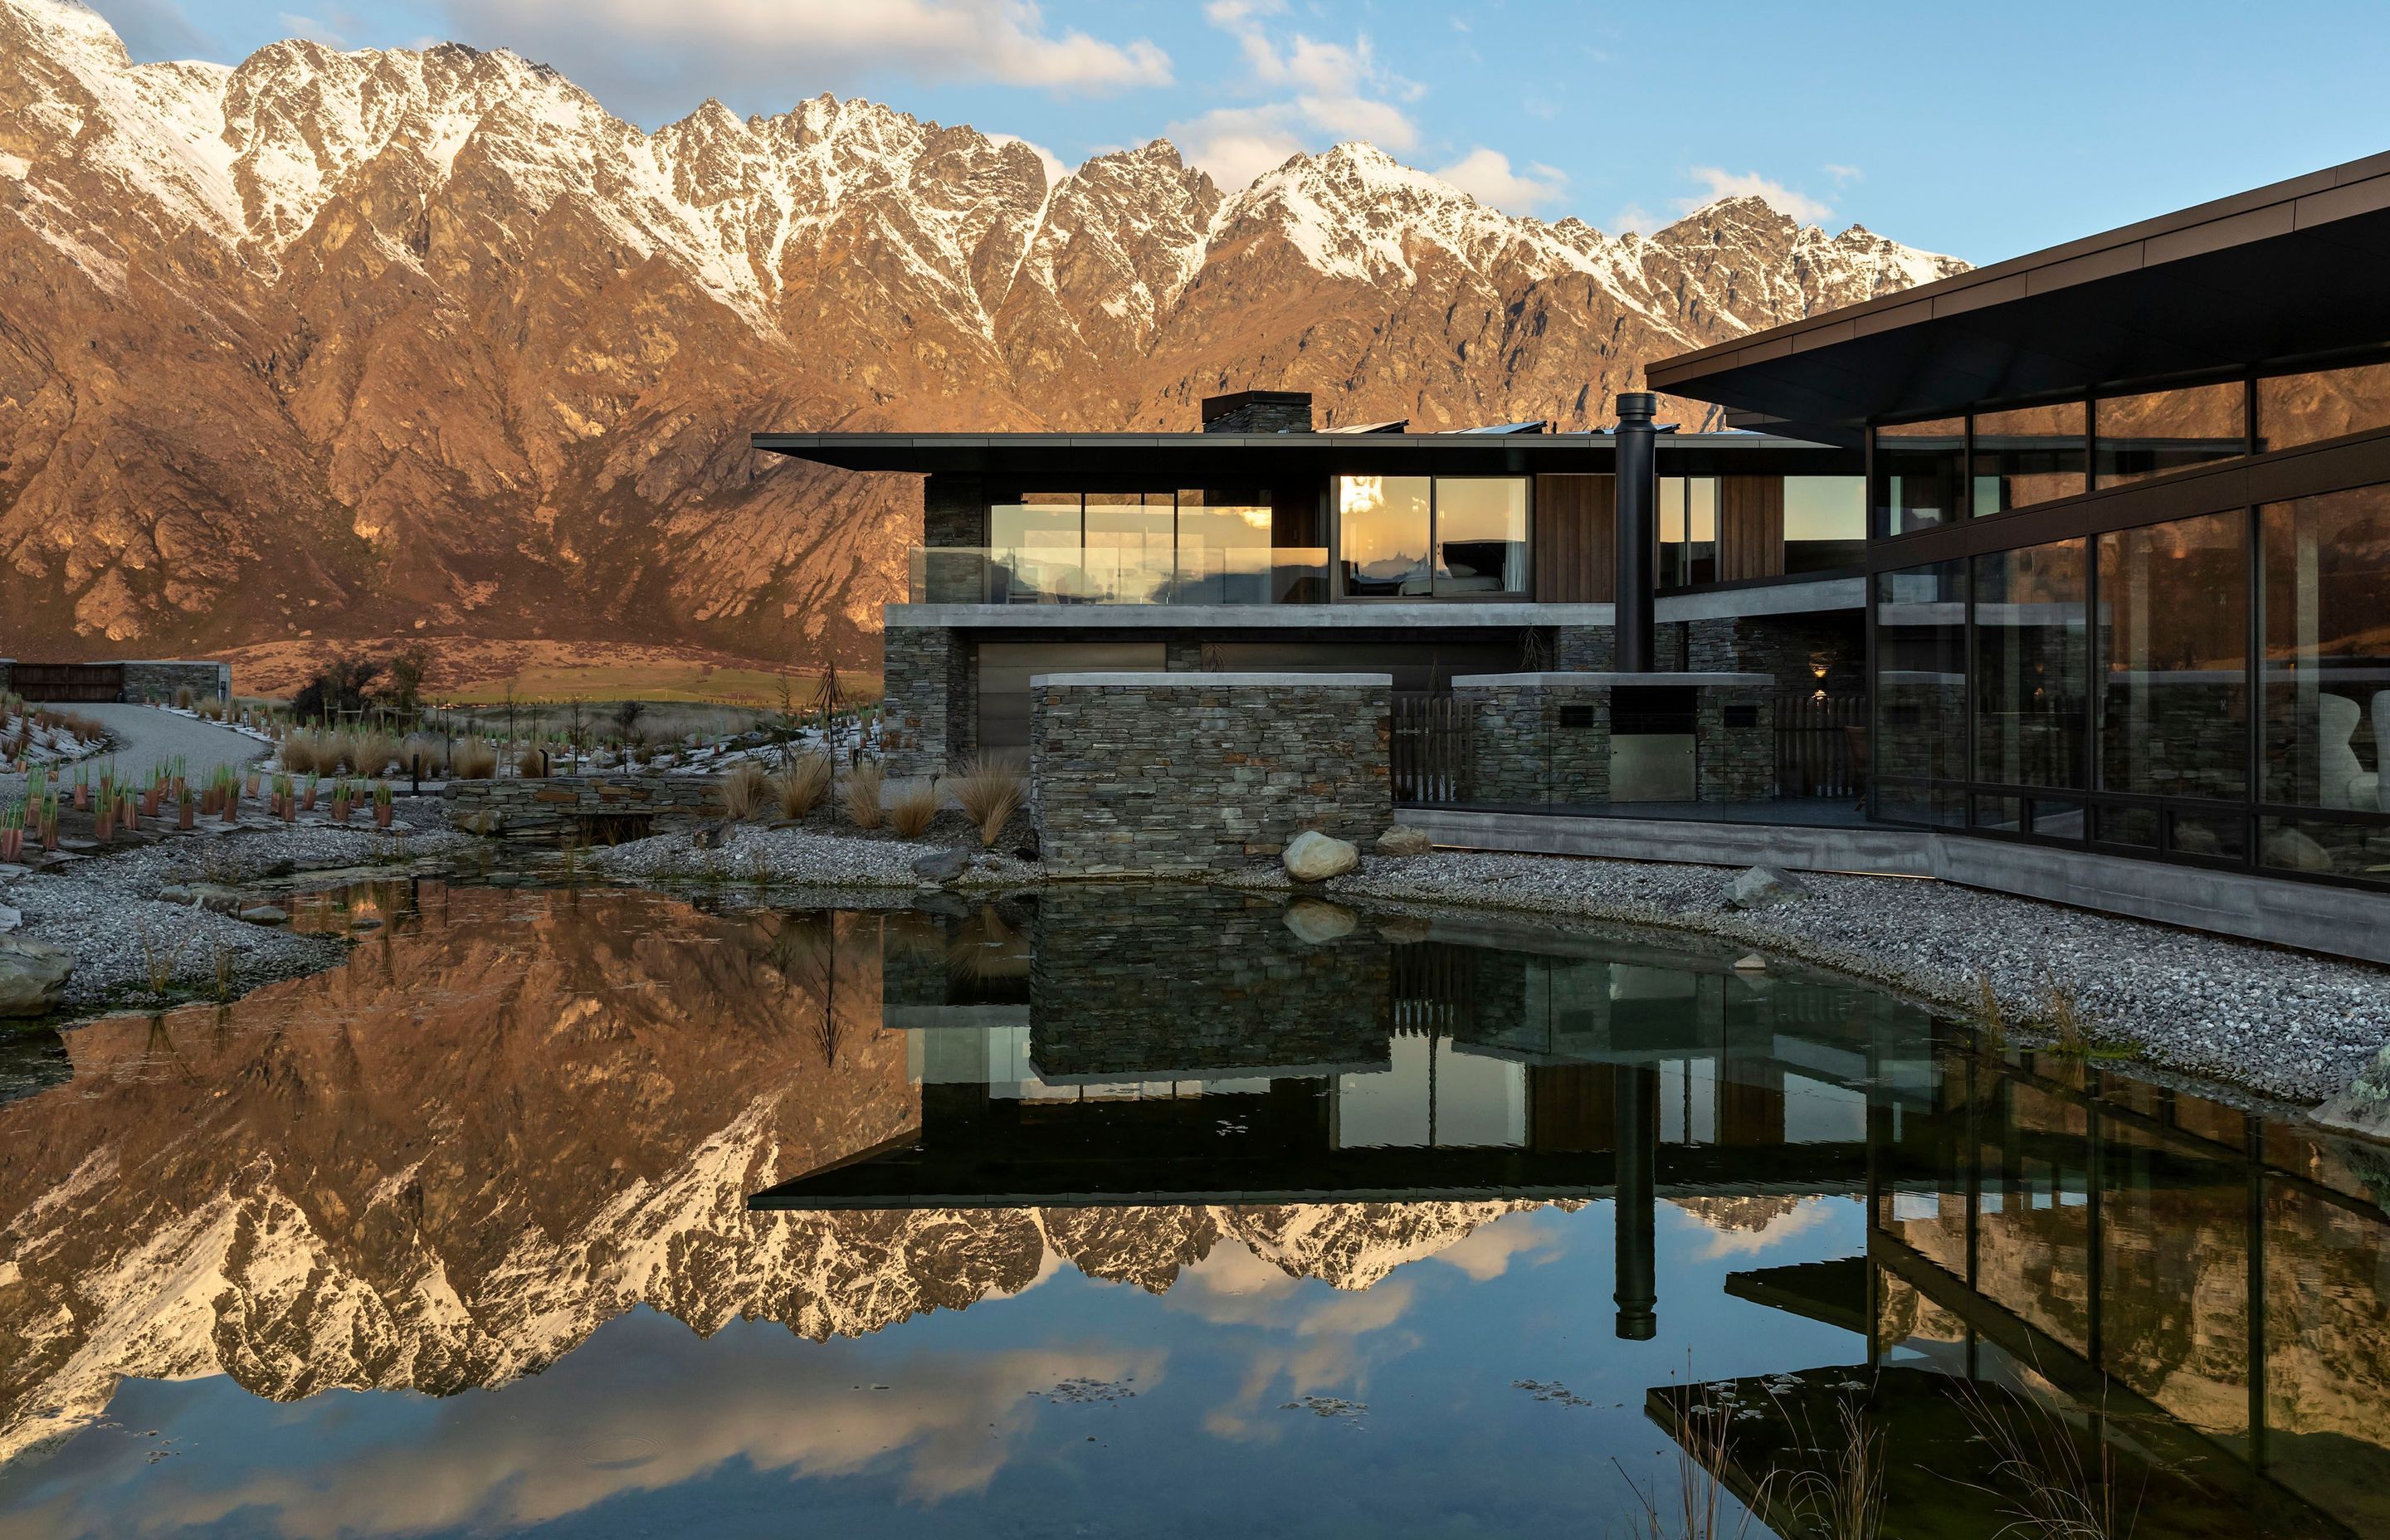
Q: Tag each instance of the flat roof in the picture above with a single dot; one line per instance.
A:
(1261, 457)
(2281, 274)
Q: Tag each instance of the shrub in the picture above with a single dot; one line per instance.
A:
(802, 784)
(434, 751)
(474, 761)
(862, 795)
(531, 760)
(743, 789)
(369, 752)
(989, 790)
(913, 807)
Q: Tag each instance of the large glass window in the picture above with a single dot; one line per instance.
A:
(1034, 549)
(1920, 474)
(1481, 534)
(2027, 455)
(2147, 435)
(1921, 694)
(1413, 537)
(1129, 547)
(2030, 665)
(1140, 548)
(2327, 676)
(1224, 548)
(1688, 514)
(1825, 522)
(2174, 686)
(2304, 408)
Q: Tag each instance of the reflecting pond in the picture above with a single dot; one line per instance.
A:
(1131, 1212)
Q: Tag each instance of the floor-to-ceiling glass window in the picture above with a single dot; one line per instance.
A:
(2294, 409)
(1383, 539)
(1034, 549)
(1825, 522)
(1481, 534)
(1920, 693)
(2174, 679)
(1689, 516)
(2030, 454)
(1224, 547)
(2140, 436)
(2030, 686)
(1921, 471)
(2327, 681)
(1129, 546)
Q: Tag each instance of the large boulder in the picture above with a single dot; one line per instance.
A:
(32, 976)
(1761, 886)
(1312, 856)
(941, 866)
(1402, 839)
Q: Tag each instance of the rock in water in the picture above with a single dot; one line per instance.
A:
(32, 976)
(941, 866)
(1402, 839)
(1762, 886)
(1312, 856)
(1318, 922)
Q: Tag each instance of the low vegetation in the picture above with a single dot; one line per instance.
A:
(862, 795)
(989, 788)
(803, 784)
(913, 807)
(745, 791)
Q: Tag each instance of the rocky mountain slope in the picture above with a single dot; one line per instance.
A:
(379, 344)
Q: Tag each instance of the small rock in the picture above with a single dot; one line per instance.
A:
(941, 866)
(1751, 962)
(1762, 886)
(9, 919)
(1318, 922)
(712, 837)
(1402, 839)
(265, 914)
(1312, 856)
(32, 976)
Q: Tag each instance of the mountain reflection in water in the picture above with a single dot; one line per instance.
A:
(1420, 1220)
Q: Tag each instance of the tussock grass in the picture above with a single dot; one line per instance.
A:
(989, 789)
(912, 809)
(802, 784)
(861, 795)
(1989, 1019)
(434, 751)
(745, 791)
(531, 760)
(2061, 1016)
(474, 761)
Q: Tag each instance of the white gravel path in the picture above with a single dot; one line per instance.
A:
(143, 736)
(2284, 1024)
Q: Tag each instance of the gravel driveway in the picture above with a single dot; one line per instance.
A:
(144, 736)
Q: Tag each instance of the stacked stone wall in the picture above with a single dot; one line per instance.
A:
(930, 692)
(1206, 772)
(7, 668)
(159, 680)
(547, 808)
(1545, 740)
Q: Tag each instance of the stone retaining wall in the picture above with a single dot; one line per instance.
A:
(1143, 773)
(158, 679)
(541, 809)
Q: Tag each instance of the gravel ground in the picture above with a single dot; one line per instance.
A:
(794, 857)
(141, 735)
(2283, 1024)
(106, 911)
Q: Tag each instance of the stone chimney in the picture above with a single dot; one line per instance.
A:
(1258, 412)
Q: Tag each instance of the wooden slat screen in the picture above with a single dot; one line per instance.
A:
(1575, 534)
(1751, 527)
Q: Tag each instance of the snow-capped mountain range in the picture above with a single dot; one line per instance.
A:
(429, 342)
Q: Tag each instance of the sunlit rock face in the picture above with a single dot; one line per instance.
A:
(509, 1119)
(346, 345)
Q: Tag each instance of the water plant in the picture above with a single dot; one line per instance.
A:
(2052, 1491)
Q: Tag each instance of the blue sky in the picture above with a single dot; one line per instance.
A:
(1984, 130)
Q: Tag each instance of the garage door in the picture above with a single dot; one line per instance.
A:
(1006, 668)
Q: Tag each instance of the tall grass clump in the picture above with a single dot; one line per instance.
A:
(862, 794)
(369, 752)
(802, 784)
(433, 751)
(1702, 1504)
(2061, 1015)
(474, 761)
(912, 809)
(744, 789)
(989, 790)
(1845, 1503)
(2052, 1490)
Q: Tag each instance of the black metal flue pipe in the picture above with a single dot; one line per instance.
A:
(1637, 520)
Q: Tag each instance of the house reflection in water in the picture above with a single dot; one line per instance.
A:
(2197, 1285)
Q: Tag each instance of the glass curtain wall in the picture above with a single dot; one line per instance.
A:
(2031, 454)
(2174, 685)
(1195, 546)
(2140, 436)
(1921, 471)
(1129, 548)
(1224, 549)
(1825, 522)
(1921, 694)
(2030, 679)
(2327, 680)
(1421, 537)
(2294, 409)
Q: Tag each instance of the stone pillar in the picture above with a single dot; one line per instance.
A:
(931, 705)
(1143, 773)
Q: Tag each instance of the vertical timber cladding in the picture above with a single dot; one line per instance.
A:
(1575, 540)
(1751, 527)
(1006, 668)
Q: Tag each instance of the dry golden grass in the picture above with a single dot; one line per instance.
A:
(2052, 1490)
(434, 751)
(989, 789)
(801, 784)
(912, 808)
(367, 752)
(862, 795)
(531, 760)
(745, 791)
(474, 761)
(308, 751)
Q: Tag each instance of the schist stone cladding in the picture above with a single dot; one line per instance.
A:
(1544, 740)
(1140, 773)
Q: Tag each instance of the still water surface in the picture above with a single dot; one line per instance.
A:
(1125, 1212)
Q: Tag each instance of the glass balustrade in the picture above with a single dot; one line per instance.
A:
(1119, 573)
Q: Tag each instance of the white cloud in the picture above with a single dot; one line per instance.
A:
(1843, 175)
(1750, 183)
(660, 60)
(1485, 176)
(1637, 218)
(1327, 91)
(1055, 169)
(313, 30)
